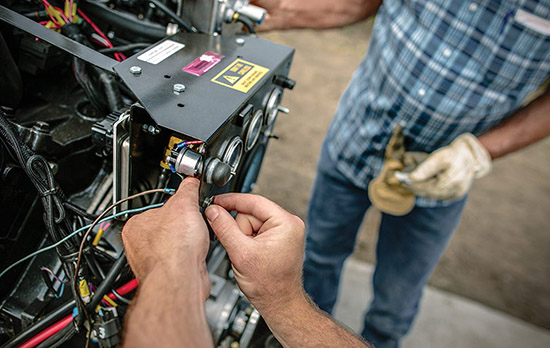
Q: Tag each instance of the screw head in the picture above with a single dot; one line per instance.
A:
(41, 127)
(239, 41)
(179, 88)
(135, 70)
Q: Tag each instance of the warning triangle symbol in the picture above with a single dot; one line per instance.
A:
(231, 79)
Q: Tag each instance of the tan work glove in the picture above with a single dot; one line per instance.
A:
(386, 192)
(448, 173)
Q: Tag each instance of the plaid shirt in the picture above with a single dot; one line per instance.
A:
(439, 68)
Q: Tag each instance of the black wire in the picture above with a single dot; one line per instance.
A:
(40, 325)
(83, 79)
(79, 211)
(161, 182)
(247, 23)
(187, 26)
(98, 266)
(38, 170)
(124, 48)
(59, 338)
(88, 257)
(121, 298)
(107, 283)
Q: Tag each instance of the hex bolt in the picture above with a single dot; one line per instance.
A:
(239, 41)
(179, 88)
(153, 130)
(135, 70)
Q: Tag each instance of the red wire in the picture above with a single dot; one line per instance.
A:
(119, 56)
(52, 330)
(55, 328)
(46, 4)
(124, 289)
(95, 27)
(61, 14)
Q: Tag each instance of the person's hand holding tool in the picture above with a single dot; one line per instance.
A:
(266, 245)
(448, 173)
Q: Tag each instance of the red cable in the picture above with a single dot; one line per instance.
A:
(124, 289)
(95, 27)
(118, 56)
(52, 330)
(55, 328)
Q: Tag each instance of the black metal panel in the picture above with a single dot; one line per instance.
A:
(72, 47)
(205, 106)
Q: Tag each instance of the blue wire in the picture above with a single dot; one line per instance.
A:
(39, 251)
(61, 292)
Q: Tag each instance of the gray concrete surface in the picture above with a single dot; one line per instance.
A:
(445, 320)
(500, 254)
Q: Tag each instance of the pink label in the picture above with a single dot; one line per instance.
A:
(201, 65)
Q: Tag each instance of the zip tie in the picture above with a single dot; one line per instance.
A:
(50, 192)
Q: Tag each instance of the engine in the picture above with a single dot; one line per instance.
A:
(105, 106)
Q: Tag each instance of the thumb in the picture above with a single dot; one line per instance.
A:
(226, 229)
(431, 167)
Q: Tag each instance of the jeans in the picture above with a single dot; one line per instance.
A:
(407, 251)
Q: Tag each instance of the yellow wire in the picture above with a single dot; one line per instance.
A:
(55, 13)
(67, 9)
(98, 237)
(109, 301)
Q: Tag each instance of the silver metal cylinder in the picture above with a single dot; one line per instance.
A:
(189, 163)
(255, 13)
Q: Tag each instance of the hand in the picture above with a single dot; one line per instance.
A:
(174, 237)
(265, 244)
(448, 173)
(275, 17)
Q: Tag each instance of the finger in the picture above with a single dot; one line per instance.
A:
(187, 194)
(227, 230)
(257, 206)
(248, 224)
(433, 165)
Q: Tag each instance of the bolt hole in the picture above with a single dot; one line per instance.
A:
(167, 76)
(181, 105)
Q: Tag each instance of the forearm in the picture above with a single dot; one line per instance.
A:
(168, 310)
(300, 323)
(319, 14)
(527, 126)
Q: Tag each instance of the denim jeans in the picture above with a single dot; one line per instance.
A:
(407, 251)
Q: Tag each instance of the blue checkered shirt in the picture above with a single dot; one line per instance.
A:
(439, 68)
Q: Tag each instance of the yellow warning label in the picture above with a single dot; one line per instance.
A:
(240, 75)
(231, 79)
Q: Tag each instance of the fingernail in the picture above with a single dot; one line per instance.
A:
(211, 214)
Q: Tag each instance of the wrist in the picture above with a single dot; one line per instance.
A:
(282, 307)
(174, 266)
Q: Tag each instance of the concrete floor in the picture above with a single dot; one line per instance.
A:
(445, 320)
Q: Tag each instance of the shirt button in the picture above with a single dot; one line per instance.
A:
(421, 92)
(473, 7)
(447, 52)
